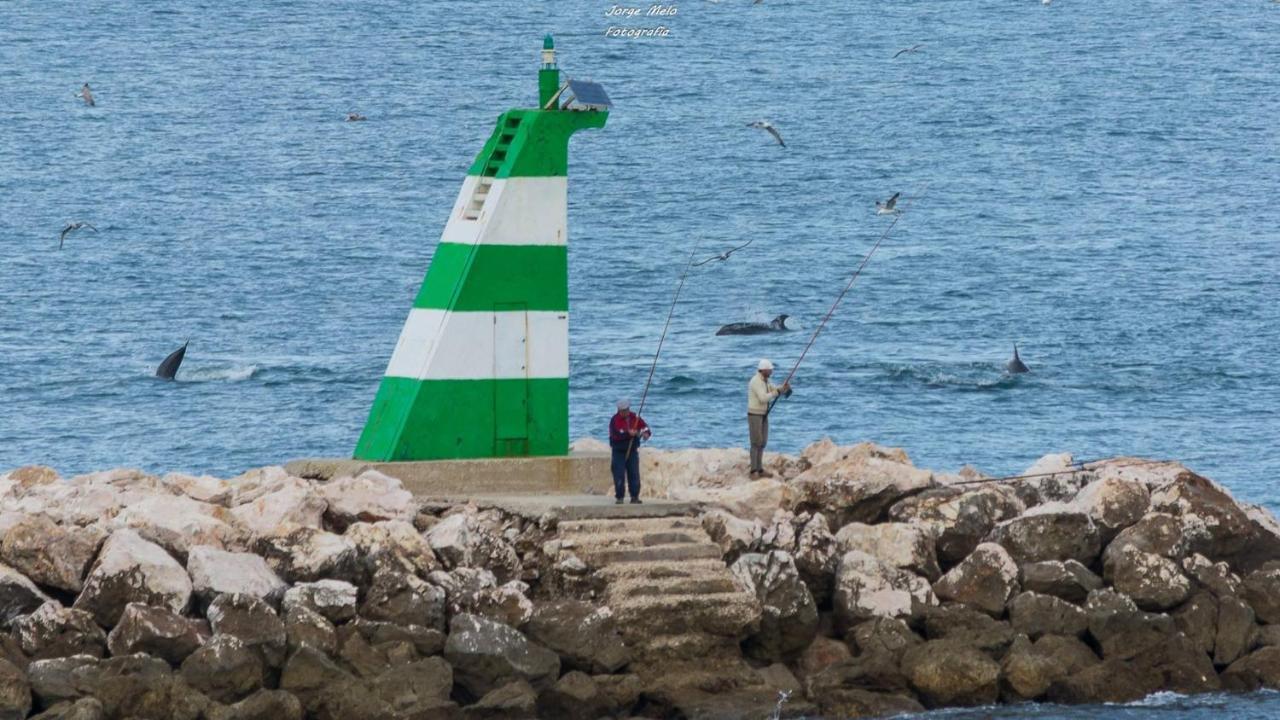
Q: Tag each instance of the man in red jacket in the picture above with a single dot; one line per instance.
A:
(626, 431)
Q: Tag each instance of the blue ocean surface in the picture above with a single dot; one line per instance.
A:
(1097, 182)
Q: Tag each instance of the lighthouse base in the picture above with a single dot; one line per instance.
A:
(575, 474)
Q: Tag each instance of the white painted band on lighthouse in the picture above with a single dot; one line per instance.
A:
(447, 345)
(517, 211)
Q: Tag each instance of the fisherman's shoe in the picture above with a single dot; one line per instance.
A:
(617, 501)
(635, 501)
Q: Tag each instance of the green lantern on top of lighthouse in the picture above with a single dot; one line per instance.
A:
(481, 368)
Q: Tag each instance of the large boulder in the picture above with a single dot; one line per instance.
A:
(866, 588)
(1049, 533)
(1052, 478)
(50, 554)
(15, 692)
(1154, 582)
(816, 557)
(485, 654)
(584, 635)
(308, 674)
(754, 501)
(131, 569)
(961, 518)
(515, 698)
(858, 485)
(1216, 577)
(155, 631)
(253, 621)
(509, 604)
(225, 669)
(985, 580)
(1158, 533)
(1029, 669)
(420, 685)
(1198, 620)
(734, 535)
(967, 626)
(53, 631)
(203, 488)
(1258, 669)
(304, 626)
(18, 595)
(370, 497)
(306, 554)
(1036, 615)
(1113, 504)
(461, 541)
(291, 504)
(574, 697)
(404, 600)
(216, 572)
(1120, 629)
(176, 523)
(261, 705)
(333, 599)
(1223, 528)
(883, 636)
(1236, 634)
(789, 617)
(392, 546)
(902, 545)
(947, 673)
(1068, 580)
(1262, 591)
(1110, 681)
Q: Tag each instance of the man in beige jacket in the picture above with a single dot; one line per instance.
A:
(760, 393)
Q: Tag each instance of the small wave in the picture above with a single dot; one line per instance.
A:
(235, 373)
(978, 376)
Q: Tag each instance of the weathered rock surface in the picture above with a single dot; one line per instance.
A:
(1113, 503)
(254, 622)
(176, 523)
(391, 546)
(1029, 669)
(1049, 534)
(225, 669)
(334, 599)
(1262, 591)
(1036, 615)
(1154, 582)
(404, 600)
(1225, 530)
(1068, 580)
(970, 627)
(859, 485)
(789, 616)
(371, 497)
(15, 692)
(901, 545)
(131, 569)
(485, 654)
(984, 580)
(50, 554)
(53, 631)
(155, 631)
(735, 536)
(306, 554)
(216, 572)
(962, 518)
(866, 588)
(582, 634)
(18, 595)
(1259, 669)
(290, 504)
(946, 673)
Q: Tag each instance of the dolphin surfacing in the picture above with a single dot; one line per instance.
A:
(1016, 366)
(778, 324)
(168, 369)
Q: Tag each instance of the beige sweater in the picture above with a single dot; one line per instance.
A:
(759, 393)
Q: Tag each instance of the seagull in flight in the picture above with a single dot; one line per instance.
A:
(888, 207)
(768, 127)
(87, 94)
(724, 255)
(911, 49)
(72, 227)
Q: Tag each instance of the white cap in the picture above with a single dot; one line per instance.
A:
(624, 404)
(764, 365)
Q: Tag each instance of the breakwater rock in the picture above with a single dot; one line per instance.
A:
(850, 584)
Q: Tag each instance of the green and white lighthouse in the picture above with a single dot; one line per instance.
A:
(481, 368)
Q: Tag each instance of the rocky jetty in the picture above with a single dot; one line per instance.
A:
(850, 584)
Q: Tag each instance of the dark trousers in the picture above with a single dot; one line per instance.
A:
(628, 467)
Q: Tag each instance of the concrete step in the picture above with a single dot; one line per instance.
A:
(697, 585)
(657, 569)
(581, 527)
(636, 538)
(601, 557)
(730, 614)
(659, 649)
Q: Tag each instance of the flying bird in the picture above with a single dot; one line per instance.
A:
(768, 127)
(724, 255)
(87, 94)
(72, 227)
(888, 207)
(355, 117)
(911, 49)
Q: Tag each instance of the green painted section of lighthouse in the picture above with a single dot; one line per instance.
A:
(481, 366)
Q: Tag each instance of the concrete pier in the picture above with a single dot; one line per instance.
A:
(572, 487)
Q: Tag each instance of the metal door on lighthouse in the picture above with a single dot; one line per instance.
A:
(511, 378)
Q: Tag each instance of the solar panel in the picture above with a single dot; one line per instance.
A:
(586, 92)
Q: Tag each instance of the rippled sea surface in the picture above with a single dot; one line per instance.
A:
(1101, 188)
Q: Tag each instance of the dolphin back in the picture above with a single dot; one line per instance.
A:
(169, 367)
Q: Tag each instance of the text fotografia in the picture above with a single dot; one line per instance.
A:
(632, 12)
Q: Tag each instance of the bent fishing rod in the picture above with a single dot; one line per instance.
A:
(1076, 467)
(661, 339)
(844, 292)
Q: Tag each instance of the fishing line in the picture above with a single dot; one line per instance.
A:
(843, 292)
(1076, 467)
(661, 339)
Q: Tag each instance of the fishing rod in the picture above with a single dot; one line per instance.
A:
(843, 292)
(1076, 467)
(661, 339)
